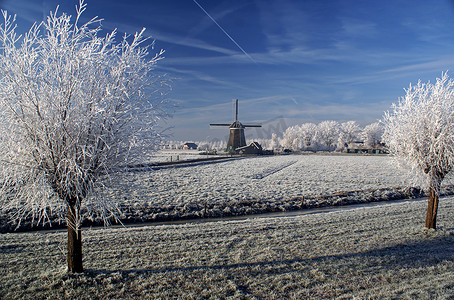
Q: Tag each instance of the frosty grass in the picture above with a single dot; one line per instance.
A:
(244, 186)
(375, 252)
(264, 178)
(250, 185)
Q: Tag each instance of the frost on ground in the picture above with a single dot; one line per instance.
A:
(249, 185)
(256, 185)
(253, 185)
(375, 252)
(265, 178)
(170, 155)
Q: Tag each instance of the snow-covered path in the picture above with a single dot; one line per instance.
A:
(377, 252)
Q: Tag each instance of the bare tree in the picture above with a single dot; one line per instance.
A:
(420, 131)
(73, 105)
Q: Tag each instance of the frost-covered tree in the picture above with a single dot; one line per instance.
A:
(327, 133)
(274, 143)
(372, 134)
(290, 138)
(348, 133)
(73, 104)
(220, 145)
(307, 134)
(300, 137)
(420, 131)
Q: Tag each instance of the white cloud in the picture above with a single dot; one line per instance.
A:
(429, 65)
(187, 76)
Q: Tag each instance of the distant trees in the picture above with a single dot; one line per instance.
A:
(292, 138)
(420, 131)
(300, 137)
(73, 104)
(372, 134)
(308, 133)
(348, 133)
(330, 135)
(274, 144)
(327, 134)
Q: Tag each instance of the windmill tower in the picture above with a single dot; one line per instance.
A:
(236, 137)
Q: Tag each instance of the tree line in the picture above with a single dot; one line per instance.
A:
(329, 136)
(324, 136)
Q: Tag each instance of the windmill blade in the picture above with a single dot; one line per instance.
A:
(220, 124)
(236, 110)
(252, 125)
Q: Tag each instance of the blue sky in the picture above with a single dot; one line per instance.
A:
(287, 61)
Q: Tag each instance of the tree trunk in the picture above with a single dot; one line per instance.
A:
(74, 241)
(432, 207)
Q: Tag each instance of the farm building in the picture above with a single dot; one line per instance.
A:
(360, 147)
(190, 146)
(253, 148)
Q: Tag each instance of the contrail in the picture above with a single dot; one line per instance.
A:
(212, 19)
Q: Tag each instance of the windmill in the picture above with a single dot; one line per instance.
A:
(236, 137)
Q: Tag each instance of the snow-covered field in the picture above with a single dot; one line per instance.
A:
(253, 184)
(264, 178)
(250, 185)
(379, 253)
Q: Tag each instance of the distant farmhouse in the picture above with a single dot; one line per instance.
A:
(190, 146)
(360, 147)
(253, 148)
